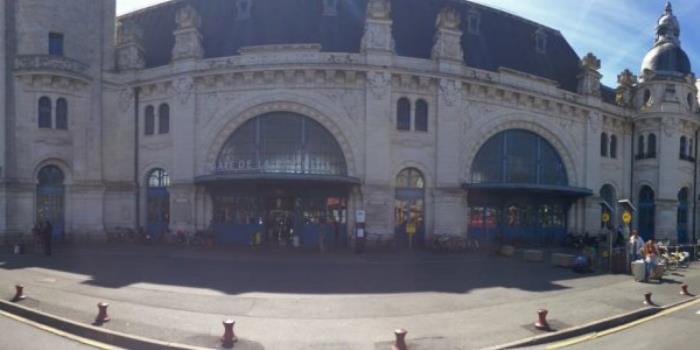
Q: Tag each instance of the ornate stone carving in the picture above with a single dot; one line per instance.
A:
(377, 34)
(589, 78)
(670, 126)
(183, 89)
(623, 94)
(451, 92)
(595, 122)
(378, 83)
(188, 39)
(49, 62)
(126, 99)
(347, 99)
(447, 43)
(379, 9)
(130, 53)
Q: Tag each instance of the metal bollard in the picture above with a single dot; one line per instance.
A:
(400, 343)
(19, 293)
(647, 299)
(541, 322)
(102, 316)
(684, 290)
(229, 337)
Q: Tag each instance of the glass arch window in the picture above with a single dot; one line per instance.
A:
(403, 114)
(150, 121)
(45, 112)
(62, 114)
(651, 146)
(421, 116)
(603, 145)
(158, 178)
(518, 156)
(50, 175)
(410, 178)
(283, 143)
(613, 146)
(164, 119)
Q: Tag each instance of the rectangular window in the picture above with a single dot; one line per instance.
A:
(56, 44)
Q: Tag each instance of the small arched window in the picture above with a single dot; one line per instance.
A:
(62, 114)
(613, 146)
(421, 116)
(410, 178)
(158, 178)
(603, 145)
(150, 121)
(45, 112)
(684, 145)
(164, 119)
(640, 146)
(651, 146)
(403, 114)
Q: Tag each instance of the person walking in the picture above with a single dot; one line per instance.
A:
(47, 231)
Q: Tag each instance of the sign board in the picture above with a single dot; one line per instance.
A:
(360, 233)
(411, 229)
(626, 217)
(605, 217)
(360, 216)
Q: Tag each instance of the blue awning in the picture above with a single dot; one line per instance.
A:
(533, 189)
(276, 178)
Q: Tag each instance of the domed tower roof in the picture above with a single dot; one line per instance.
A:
(667, 58)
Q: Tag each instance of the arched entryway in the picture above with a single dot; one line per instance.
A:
(157, 203)
(519, 190)
(682, 216)
(409, 207)
(647, 213)
(50, 198)
(280, 179)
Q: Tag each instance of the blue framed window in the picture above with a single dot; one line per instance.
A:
(56, 44)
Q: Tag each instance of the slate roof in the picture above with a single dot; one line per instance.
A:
(505, 40)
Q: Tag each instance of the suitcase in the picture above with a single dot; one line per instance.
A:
(638, 270)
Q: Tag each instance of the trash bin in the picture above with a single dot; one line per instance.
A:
(638, 270)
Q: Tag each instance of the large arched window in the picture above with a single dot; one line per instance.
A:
(651, 146)
(518, 156)
(403, 114)
(607, 195)
(682, 216)
(647, 212)
(640, 147)
(421, 116)
(603, 145)
(45, 112)
(683, 147)
(150, 121)
(613, 146)
(50, 194)
(164, 119)
(409, 207)
(62, 114)
(282, 142)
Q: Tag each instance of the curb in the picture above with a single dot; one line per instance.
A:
(106, 336)
(591, 327)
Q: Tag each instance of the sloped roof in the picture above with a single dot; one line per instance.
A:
(504, 40)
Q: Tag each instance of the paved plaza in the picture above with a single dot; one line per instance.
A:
(285, 299)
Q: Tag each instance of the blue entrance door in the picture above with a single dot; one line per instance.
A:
(157, 203)
(50, 198)
(647, 212)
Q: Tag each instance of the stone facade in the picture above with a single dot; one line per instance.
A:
(106, 158)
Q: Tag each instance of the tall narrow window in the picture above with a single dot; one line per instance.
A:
(243, 9)
(684, 145)
(56, 44)
(651, 146)
(421, 116)
(62, 114)
(163, 119)
(403, 114)
(613, 146)
(473, 22)
(150, 121)
(640, 147)
(45, 112)
(540, 41)
(603, 145)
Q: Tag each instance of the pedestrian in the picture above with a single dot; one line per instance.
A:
(651, 258)
(636, 244)
(47, 231)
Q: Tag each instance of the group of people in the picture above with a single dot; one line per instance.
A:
(42, 231)
(647, 251)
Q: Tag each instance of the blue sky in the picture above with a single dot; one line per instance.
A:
(619, 32)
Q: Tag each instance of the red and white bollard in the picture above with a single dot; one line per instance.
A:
(541, 322)
(229, 338)
(400, 342)
(102, 316)
(19, 293)
(647, 299)
(684, 290)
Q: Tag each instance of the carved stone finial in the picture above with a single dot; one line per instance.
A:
(624, 90)
(379, 9)
(626, 78)
(448, 18)
(187, 17)
(128, 33)
(130, 53)
(590, 61)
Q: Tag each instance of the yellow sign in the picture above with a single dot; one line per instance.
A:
(605, 217)
(626, 217)
(411, 229)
